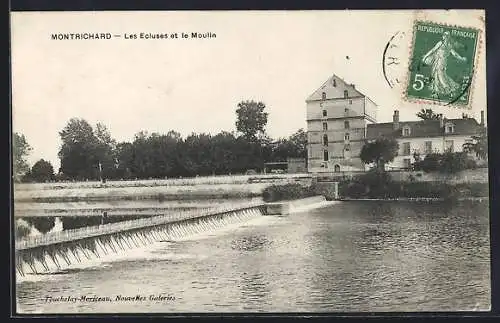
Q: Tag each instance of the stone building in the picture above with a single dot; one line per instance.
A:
(337, 118)
(425, 136)
(340, 119)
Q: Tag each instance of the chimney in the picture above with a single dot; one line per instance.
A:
(395, 120)
(482, 118)
(441, 121)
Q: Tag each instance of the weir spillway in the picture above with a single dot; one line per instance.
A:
(53, 251)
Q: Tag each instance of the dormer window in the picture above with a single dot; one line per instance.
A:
(449, 128)
(406, 131)
(346, 94)
(323, 95)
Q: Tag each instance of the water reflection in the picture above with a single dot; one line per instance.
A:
(354, 256)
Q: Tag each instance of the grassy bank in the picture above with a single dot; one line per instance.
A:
(378, 186)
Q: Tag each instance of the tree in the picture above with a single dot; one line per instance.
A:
(223, 156)
(299, 141)
(251, 119)
(380, 152)
(427, 114)
(105, 147)
(79, 152)
(20, 150)
(41, 171)
(479, 144)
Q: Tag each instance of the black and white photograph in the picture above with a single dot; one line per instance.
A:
(308, 161)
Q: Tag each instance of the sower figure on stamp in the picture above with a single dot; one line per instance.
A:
(437, 58)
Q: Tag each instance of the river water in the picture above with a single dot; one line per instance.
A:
(344, 257)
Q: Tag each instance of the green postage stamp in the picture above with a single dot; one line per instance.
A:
(442, 62)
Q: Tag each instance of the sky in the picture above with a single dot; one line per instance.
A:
(194, 85)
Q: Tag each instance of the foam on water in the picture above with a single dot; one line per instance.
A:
(308, 207)
(179, 232)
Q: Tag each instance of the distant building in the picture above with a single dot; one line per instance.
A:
(293, 165)
(337, 119)
(425, 136)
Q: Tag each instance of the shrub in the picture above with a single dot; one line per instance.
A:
(375, 183)
(287, 192)
(445, 163)
(22, 229)
(42, 223)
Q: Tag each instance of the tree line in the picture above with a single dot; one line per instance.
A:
(91, 153)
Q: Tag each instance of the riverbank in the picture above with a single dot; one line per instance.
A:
(228, 187)
(170, 182)
(379, 190)
(161, 193)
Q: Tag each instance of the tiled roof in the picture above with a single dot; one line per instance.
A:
(422, 128)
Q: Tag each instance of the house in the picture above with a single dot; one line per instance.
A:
(337, 119)
(425, 136)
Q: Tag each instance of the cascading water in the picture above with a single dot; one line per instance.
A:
(59, 257)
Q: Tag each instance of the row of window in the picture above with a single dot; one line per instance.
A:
(346, 95)
(346, 110)
(449, 146)
(347, 136)
(449, 128)
(347, 125)
(347, 149)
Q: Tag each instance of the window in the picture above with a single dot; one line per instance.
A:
(346, 136)
(428, 147)
(323, 96)
(346, 94)
(346, 110)
(336, 168)
(334, 82)
(347, 151)
(350, 101)
(324, 113)
(325, 126)
(450, 128)
(325, 155)
(325, 140)
(406, 131)
(346, 124)
(406, 148)
(406, 163)
(449, 145)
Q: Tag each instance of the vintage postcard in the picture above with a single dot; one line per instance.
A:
(250, 161)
